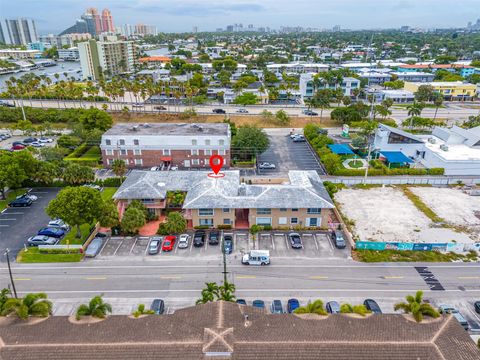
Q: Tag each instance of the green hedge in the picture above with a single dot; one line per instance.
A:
(79, 151)
(224, 227)
(84, 161)
(61, 251)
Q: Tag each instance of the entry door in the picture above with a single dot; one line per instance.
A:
(186, 163)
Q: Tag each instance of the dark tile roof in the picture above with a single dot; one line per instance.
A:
(230, 331)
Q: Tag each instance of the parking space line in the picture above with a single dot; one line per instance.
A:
(273, 242)
(4, 225)
(316, 242)
(191, 244)
(2, 219)
(330, 242)
(118, 247)
(104, 245)
(135, 243)
(286, 241)
(15, 213)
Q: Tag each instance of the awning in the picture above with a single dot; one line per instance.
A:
(341, 149)
(396, 157)
(166, 158)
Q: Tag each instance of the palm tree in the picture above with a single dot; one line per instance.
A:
(355, 309)
(415, 109)
(417, 307)
(437, 101)
(227, 291)
(209, 294)
(119, 167)
(4, 296)
(96, 308)
(141, 311)
(315, 307)
(31, 305)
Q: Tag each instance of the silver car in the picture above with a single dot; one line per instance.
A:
(41, 240)
(154, 246)
(266, 165)
(183, 241)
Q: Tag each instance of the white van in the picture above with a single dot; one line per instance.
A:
(256, 257)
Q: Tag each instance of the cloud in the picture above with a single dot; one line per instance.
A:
(203, 9)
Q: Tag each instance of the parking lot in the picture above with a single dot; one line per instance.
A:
(19, 223)
(315, 245)
(7, 144)
(286, 154)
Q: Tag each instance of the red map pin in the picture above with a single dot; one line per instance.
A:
(216, 163)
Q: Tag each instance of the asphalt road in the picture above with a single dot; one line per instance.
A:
(178, 280)
(19, 223)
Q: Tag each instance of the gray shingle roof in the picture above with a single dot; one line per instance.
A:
(168, 129)
(304, 190)
(220, 329)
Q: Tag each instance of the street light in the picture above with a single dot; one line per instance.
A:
(10, 273)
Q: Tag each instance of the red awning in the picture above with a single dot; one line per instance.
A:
(166, 158)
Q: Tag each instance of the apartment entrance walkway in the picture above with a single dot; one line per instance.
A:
(241, 219)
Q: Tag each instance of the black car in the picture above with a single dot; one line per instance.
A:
(241, 302)
(372, 306)
(213, 237)
(277, 307)
(476, 305)
(338, 239)
(29, 140)
(158, 306)
(258, 304)
(219, 111)
(295, 241)
(199, 238)
(18, 143)
(228, 244)
(21, 202)
(332, 307)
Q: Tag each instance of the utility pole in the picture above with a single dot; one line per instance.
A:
(225, 272)
(10, 273)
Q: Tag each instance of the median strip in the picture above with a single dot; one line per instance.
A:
(95, 278)
(318, 277)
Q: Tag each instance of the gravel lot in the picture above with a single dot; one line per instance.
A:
(386, 214)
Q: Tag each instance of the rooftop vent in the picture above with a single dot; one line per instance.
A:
(444, 147)
(161, 184)
(432, 140)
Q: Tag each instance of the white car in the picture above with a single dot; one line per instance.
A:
(28, 195)
(266, 165)
(59, 223)
(155, 168)
(37, 144)
(44, 140)
(138, 105)
(293, 136)
(183, 241)
(242, 111)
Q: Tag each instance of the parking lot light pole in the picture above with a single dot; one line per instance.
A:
(10, 273)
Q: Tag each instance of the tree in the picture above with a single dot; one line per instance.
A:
(355, 309)
(76, 174)
(331, 162)
(321, 100)
(45, 172)
(76, 206)
(315, 307)
(282, 117)
(209, 294)
(247, 98)
(415, 109)
(4, 296)
(417, 307)
(132, 220)
(96, 119)
(424, 93)
(249, 141)
(109, 216)
(141, 311)
(226, 292)
(437, 101)
(11, 174)
(119, 167)
(31, 305)
(396, 85)
(175, 224)
(473, 121)
(96, 308)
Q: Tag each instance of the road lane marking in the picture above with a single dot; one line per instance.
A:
(2, 219)
(22, 279)
(14, 213)
(245, 277)
(469, 277)
(170, 277)
(4, 225)
(96, 278)
(392, 277)
(318, 277)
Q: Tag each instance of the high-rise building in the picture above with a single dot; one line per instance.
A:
(99, 59)
(96, 19)
(20, 31)
(107, 21)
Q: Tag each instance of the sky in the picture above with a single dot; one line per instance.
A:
(53, 16)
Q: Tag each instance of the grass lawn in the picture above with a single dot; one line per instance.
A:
(420, 205)
(32, 255)
(10, 197)
(355, 164)
(370, 256)
(108, 192)
(84, 229)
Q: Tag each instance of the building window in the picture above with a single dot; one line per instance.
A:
(109, 152)
(108, 142)
(313, 211)
(264, 211)
(136, 142)
(264, 221)
(225, 210)
(138, 162)
(121, 142)
(194, 152)
(222, 152)
(207, 152)
(123, 152)
(221, 142)
(207, 142)
(205, 222)
(205, 212)
(166, 152)
(282, 221)
(227, 222)
(194, 142)
(195, 162)
(147, 201)
(312, 222)
(394, 138)
(137, 152)
(294, 209)
(283, 209)
(110, 161)
(294, 221)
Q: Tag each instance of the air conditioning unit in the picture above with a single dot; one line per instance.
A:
(432, 140)
(444, 147)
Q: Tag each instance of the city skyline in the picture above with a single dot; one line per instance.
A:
(181, 16)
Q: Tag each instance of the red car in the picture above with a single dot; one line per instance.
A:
(17, 147)
(169, 243)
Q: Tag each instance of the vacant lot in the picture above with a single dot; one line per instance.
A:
(386, 214)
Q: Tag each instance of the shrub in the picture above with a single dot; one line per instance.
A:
(436, 171)
(111, 182)
(224, 227)
(79, 151)
(201, 227)
(267, 227)
(61, 251)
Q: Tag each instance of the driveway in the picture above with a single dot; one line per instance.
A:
(18, 224)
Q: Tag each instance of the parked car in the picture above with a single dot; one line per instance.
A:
(258, 304)
(299, 138)
(21, 202)
(228, 244)
(448, 309)
(160, 107)
(29, 140)
(199, 238)
(214, 237)
(45, 140)
(158, 306)
(155, 168)
(52, 232)
(476, 305)
(292, 304)
(138, 105)
(3, 137)
(295, 241)
(154, 245)
(219, 111)
(94, 247)
(169, 243)
(6, 104)
(59, 223)
(41, 240)
(18, 143)
(310, 113)
(293, 136)
(17, 147)
(94, 186)
(266, 165)
(37, 144)
(332, 307)
(242, 111)
(338, 239)
(28, 195)
(241, 302)
(276, 307)
(372, 306)
(183, 241)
